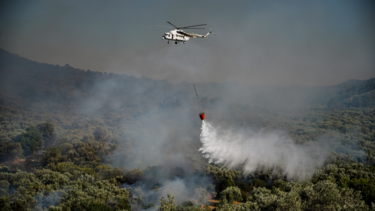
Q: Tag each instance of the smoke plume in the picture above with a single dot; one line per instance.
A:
(256, 149)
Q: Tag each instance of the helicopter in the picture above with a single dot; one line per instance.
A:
(178, 35)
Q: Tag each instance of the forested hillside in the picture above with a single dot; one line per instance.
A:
(73, 139)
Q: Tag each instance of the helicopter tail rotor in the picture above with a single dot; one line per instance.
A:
(211, 31)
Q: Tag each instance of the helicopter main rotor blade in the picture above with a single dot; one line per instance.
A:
(193, 26)
(173, 25)
(160, 26)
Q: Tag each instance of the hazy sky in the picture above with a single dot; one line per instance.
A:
(256, 42)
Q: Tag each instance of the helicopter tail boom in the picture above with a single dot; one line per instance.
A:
(195, 35)
(205, 36)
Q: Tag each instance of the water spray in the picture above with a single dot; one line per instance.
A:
(256, 149)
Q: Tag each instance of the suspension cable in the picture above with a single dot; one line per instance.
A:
(196, 93)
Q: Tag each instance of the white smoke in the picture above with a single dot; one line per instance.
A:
(255, 149)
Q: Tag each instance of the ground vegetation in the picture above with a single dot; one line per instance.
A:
(66, 133)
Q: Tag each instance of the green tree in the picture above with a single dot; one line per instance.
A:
(5, 203)
(123, 205)
(133, 176)
(259, 183)
(48, 133)
(97, 206)
(52, 155)
(225, 183)
(47, 129)
(32, 140)
(100, 134)
(167, 205)
(367, 188)
(279, 184)
(231, 194)
(9, 150)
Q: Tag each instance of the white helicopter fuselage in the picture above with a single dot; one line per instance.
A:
(175, 37)
(178, 35)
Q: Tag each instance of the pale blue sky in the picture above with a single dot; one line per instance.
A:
(256, 42)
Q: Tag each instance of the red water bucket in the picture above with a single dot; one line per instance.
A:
(201, 115)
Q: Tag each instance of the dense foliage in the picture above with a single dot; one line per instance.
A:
(66, 135)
